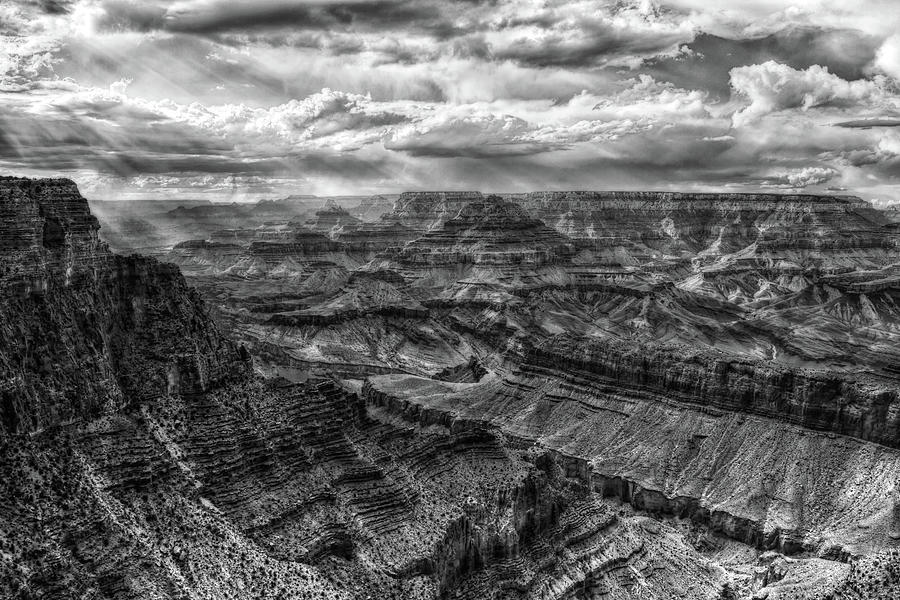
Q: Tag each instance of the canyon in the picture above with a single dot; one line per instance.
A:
(572, 395)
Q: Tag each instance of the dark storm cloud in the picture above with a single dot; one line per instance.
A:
(51, 7)
(592, 44)
(245, 16)
(710, 58)
(548, 35)
(869, 123)
(275, 14)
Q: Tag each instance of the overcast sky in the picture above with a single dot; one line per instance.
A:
(261, 98)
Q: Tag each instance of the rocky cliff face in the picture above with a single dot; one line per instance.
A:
(83, 329)
(331, 219)
(424, 211)
(674, 223)
(371, 209)
(491, 231)
(868, 409)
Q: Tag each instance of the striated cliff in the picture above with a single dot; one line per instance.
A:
(84, 331)
(491, 231)
(867, 409)
(786, 227)
(424, 211)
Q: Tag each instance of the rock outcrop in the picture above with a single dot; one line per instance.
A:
(425, 211)
(675, 224)
(490, 231)
(83, 329)
(331, 219)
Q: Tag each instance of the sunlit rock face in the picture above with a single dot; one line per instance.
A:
(84, 329)
(460, 399)
(489, 232)
(673, 224)
(424, 211)
(331, 220)
(371, 208)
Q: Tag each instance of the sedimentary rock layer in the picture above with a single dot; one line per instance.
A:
(520, 409)
(143, 459)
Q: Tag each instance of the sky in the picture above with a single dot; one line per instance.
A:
(245, 99)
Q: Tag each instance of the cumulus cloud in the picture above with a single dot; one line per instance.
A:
(805, 177)
(474, 130)
(757, 18)
(705, 62)
(888, 58)
(474, 134)
(586, 33)
(107, 130)
(327, 113)
(772, 87)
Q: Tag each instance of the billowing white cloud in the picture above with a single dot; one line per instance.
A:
(805, 177)
(887, 60)
(585, 32)
(473, 134)
(754, 18)
(772, 87)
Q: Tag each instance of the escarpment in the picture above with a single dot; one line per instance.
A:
(491, 231)
(86, 331)
(865, 409)
(767, 484)
(813, 231)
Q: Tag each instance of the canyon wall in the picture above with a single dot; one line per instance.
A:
(468, 398)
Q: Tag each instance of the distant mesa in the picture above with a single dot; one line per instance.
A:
(331, 219)
(371, 208)
(489, 231)
(203, 245)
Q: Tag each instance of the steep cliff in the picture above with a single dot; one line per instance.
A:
(85, 331)
(491, 231)
(675, 223)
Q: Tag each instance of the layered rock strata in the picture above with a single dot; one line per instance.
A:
(143, 459)
(493, 232)
(725, 364)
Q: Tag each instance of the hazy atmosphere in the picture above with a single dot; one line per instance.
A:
(245, 99)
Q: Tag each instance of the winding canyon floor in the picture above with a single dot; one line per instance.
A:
(549, 395)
